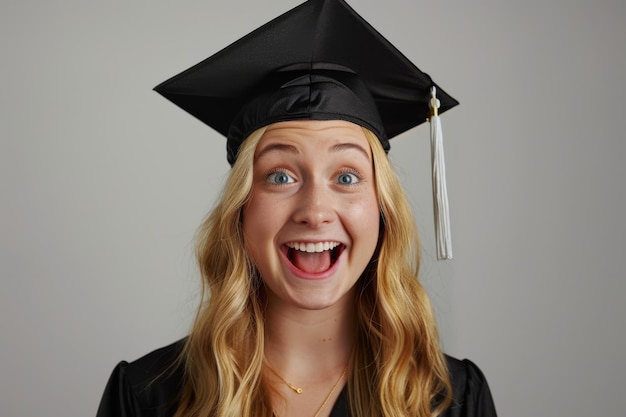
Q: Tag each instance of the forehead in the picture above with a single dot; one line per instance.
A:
(299, 135)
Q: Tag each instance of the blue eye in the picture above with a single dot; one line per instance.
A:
(347, 178)
(279, 178)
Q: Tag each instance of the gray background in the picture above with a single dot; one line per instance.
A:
(103, 184)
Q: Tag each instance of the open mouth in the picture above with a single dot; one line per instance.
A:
(313, 258)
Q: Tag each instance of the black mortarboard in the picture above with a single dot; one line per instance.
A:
(320, 60)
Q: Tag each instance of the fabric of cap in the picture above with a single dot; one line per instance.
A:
(320, 60)
(315, 92)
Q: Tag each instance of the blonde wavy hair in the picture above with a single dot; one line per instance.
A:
(398, 369)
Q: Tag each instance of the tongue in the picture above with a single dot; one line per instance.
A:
(311, 262)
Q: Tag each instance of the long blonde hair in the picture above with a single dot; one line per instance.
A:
(398, 368)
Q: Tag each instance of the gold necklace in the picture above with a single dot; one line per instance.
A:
(319, 410)
(299, 390)
(295, 389)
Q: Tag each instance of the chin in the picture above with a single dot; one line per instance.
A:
(320, 301)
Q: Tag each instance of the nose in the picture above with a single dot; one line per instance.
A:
(314, 205)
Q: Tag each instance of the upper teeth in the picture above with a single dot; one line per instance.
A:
(313, 247)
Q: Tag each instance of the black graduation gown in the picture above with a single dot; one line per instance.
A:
(149, 387)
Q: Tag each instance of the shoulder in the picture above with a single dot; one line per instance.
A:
(157, 366)
(146, 387)
(464, 373)
(470, 390)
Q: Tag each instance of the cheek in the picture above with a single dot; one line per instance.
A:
(364, 217)
(259, 217)
(366, 210)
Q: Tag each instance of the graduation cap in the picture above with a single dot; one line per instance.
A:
(319, 61)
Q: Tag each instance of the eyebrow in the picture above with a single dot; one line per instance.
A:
(283, 147)
(347, 145)
(277, 147)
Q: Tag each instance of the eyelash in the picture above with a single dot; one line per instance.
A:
(277, 171)
(354, 172)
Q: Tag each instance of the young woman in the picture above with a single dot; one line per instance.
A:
(311, 306)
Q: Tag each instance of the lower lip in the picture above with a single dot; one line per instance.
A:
(298, 273)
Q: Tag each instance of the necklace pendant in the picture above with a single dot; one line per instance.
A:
(295, 389)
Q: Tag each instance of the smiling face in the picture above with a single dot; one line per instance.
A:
(311, 225)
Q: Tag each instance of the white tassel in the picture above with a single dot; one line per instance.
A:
(440, 192)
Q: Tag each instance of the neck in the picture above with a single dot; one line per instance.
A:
(304, 344)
